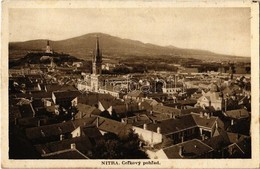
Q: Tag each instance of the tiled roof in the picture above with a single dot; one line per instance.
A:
(188, 102)
(92, 131)
(26, 110)
(191, 110)
(93, 98)
(217, 142)
(141, 119)
(135, 93)
(66, 154)
(204, 121)
(56, 129)
(237, 114)
(191, 149)
(66, 94)
(166, 110)
(52, 87)
(112, 126)
(170, 126)
(106, 103)
(83, 144)
(184, 122)
(158, 116)
(86, 110)
(41, 94)
(49, 130)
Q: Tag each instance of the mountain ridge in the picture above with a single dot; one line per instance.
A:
(82, 47)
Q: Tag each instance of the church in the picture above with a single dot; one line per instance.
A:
(96, 68)
(96, 82)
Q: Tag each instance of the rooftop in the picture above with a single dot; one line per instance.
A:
(191, 149)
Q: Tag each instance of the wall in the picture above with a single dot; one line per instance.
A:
(76, 132)
(148, 136)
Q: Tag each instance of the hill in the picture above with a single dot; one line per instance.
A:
(113, 47)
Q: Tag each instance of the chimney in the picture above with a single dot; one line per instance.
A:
(72, 114)
(61, 137)
(80, 114)
(203, 137)
(208, 115)
(97, 121)
(73, 146)
(201, 114)
(42, 133)
(159, 130)
(145, 126)
(181, 149)
(139, 106)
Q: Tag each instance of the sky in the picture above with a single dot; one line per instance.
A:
(220, 30)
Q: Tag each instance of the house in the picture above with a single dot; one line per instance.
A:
(90, 131)
(231, 90)
(53, 132)
(26, 109)
(169, 111)
(211, 98)
(92, 99)
(139, 119)
(186, 127)
(65, 98)
(34, 121)
(135, 95)
(237, 114)
(157, 117)
(80, 146)
(187, 102)
(157, 96)
(228, 145)
(186, 150)
(172, 89)
(106, 125)
(84, 111)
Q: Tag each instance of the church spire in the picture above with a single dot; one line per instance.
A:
(97, 60)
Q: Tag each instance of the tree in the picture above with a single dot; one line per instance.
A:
(114, 147)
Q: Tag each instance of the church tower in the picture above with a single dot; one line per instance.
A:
(96, 67)
(97, 60)
(48, 48)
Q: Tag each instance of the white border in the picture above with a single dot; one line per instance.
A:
(209, 163)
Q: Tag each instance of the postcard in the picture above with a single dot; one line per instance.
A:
(130, 84)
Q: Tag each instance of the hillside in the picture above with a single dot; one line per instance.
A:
(112, 47)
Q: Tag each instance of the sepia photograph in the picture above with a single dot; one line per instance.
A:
(130, 85)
